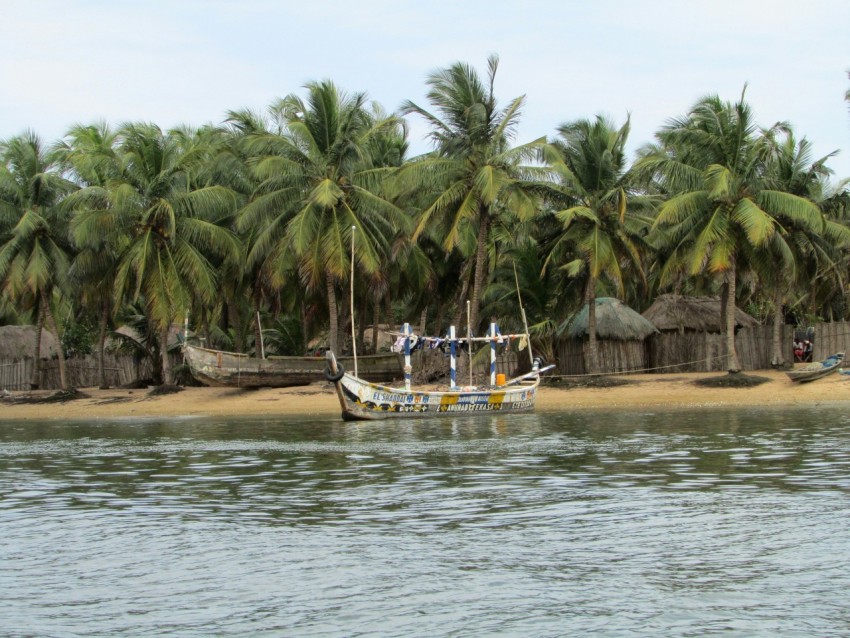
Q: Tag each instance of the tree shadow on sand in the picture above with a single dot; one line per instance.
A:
(731, 380)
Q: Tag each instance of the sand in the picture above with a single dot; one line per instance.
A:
(643, 391)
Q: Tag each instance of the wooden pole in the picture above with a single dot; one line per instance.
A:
(407, 368)
(353, 333)
(453, 351)
(469, 334)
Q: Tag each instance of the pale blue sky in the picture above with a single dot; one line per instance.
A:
(173, 62)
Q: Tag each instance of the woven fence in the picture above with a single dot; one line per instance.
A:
(81, 372)
(661, 353)
(685, 352)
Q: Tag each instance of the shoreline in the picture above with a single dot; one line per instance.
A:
(641, 391)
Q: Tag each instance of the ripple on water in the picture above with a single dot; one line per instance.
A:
(652, 524)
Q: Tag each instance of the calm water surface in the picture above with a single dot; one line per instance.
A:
(682, 524)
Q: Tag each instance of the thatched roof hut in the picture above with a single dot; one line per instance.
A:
(621, 333)
(614, 320)
(699, 314)
(18, 342)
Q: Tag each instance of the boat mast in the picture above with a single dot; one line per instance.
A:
(469, 334)
(524, 321)
(353, 333)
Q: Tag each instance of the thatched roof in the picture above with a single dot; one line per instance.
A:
(18, 342)
(701, 314)
(614, 320)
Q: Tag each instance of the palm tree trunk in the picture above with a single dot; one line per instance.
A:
(304, 329)
(35, 382)
(592, 347)
(438, 319)
(51, 323)
(333, 331)
(778, 359)
(732, 364)
(101, 344)
(238, 336)
(167, 376)
(344, 324)
(480, 266)
(361, 325)
(461, 297)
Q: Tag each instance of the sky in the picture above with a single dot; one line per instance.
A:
(188, 62)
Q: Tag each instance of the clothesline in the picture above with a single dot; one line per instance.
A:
(415, 342)
(497, 337)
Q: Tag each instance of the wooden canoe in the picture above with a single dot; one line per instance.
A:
(816, 370)
(230, 369)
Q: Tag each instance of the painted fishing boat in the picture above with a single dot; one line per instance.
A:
(816, 370)
(231, 369)
(363, 400)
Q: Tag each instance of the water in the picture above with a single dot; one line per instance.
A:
(683, 524)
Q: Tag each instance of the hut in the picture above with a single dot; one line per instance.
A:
(696, 314)
(17, 347)
(18, 342)
(690, 335)
(621, 335)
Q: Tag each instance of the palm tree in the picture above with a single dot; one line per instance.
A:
(174, 228)
(35, 256)
(474, 174)
(712, 162)
(805, 251)
(317, 182)
(90, 154)
(598, 226)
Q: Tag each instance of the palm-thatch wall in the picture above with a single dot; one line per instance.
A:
(81, 372)
(691, 338)
(831, 338)
(692, 351)
(621, 335)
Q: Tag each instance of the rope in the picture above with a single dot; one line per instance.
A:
(635, 370)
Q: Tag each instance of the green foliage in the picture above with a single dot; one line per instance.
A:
(79, 338)
(285, 337)
(257, 215)
(474, 176)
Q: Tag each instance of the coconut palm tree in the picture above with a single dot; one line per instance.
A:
(317, 183)
(712, 162)
(805, 249)
(89, 153)
(473, 174)
(600, 232)
(175, 227)
(35, 255)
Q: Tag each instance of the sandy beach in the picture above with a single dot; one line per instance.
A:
(642, 391)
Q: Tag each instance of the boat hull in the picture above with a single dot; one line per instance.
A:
(227, 369)
(816, 371)
(361, 400)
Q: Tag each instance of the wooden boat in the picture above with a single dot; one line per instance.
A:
(362, 400)
(816, 370)
(218, 368)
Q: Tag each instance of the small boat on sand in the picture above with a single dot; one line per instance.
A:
(231, 369)
(816, 370)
